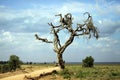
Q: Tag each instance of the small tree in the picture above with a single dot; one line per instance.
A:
(14, 62)
(88, 61)
(66, 24)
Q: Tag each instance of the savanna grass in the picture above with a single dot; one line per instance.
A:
(98, 72)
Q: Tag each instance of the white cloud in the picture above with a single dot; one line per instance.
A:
(108, 41)
(39, 16)
(100, 22)
(75, 7)
(6, 38)
(104, 7)
(105, 39)
(108, 27)
(22, 44)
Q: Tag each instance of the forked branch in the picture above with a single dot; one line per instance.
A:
(56, 40)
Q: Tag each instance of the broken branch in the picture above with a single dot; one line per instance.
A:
(43, 39)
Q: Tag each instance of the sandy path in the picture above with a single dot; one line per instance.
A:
(32, 74)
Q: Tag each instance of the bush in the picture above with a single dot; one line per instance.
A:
(66, 74)
(88, 62)
(4, 68)
(14, 62)
(10, 65)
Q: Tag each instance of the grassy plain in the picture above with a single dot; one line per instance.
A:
(77, 72)
(98, 72)
(74, 72)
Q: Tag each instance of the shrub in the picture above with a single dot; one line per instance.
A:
(66, 74)
(14, 62)
(4, 68)
(115, 73)
(88, 62)
(10, 65)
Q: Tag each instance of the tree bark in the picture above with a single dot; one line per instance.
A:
(60, 61)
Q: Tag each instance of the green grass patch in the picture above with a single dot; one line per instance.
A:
(66, 74)
(98, 72)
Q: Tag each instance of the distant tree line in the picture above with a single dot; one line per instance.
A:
(3, 62)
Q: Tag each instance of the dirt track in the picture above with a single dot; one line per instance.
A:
(32, 74)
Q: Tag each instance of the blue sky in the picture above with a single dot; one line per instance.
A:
(21, 19)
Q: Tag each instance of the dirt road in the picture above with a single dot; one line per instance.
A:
(32, 74)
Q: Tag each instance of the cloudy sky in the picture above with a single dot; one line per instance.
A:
(21, 19)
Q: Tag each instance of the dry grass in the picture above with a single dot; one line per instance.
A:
(99, 72)
(25, 69)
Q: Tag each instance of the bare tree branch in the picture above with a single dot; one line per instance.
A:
(66, 23)
(67, 43)
(56, 41)
(80, 28)
(42, 39)
(90, 26)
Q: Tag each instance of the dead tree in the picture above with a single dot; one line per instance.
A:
(66, 23)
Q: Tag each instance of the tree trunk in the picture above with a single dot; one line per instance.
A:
(60, 61)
